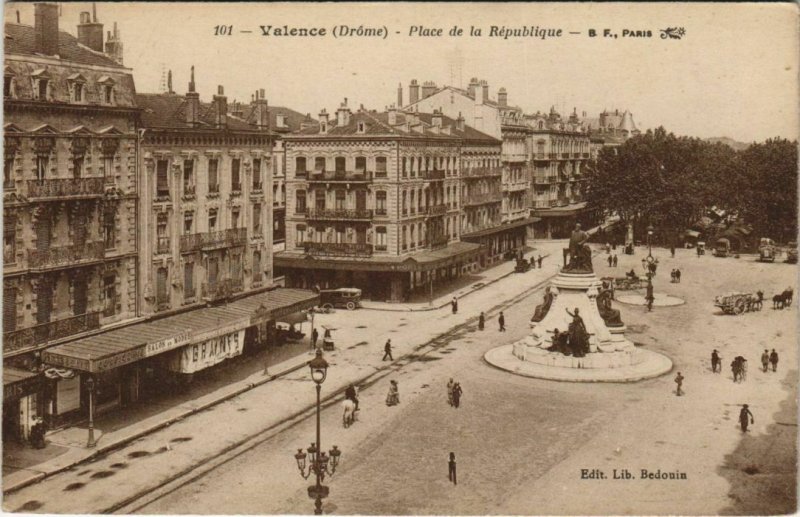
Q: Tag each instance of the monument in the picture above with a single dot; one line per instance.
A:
(576, 327)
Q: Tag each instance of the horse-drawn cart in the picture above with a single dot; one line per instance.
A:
(737, 303)
(626, 283)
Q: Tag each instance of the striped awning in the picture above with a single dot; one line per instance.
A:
(123, 346)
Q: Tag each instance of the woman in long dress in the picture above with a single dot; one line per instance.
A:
(393, 398)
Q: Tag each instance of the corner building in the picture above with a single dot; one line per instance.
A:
(374, 202)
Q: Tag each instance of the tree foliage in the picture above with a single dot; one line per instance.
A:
(670, 182)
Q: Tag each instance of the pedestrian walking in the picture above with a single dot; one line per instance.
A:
(672, 276)
(773, 358)
(457, 392)
(481, 321)
(672, 250)
(454, 305)
(678, 275)
(387, 350)
(743, 420)
(393, 397)
(610, 260)
(539, 260)
(765, 360)
(502, 321)
(735, 369)
(314, 337)
(716, 362)
(699, 251)
(451, 468)
(742, 368)
(649, 298)
(614, 262)
(679, 382)
(450, 385)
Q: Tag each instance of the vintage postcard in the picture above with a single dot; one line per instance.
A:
(400, 258)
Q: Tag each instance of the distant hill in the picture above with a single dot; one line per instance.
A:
(730, 142)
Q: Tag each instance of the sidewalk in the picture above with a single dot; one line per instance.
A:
(359, 344)
(546, 248)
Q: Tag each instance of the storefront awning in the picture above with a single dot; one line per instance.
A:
(19, 383)
(501, 228)
(123, 346)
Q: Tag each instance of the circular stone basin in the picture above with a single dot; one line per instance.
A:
(649, 364)
(661, 300)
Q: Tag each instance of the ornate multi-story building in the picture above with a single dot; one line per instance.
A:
(560, 151)
(500, 120)
(374, 201)
(70, 197)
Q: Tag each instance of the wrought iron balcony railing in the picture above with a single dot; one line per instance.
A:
(66, 255)
(44, 332)
(481, 172)
(338, 249)
(60, 188)
(340, 176)
(480, 199)
(209, 240)
(435, 210)
(438, 242)
(339, 213)
(219, 290)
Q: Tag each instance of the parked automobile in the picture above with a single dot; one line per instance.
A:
(791, 253)
(767, 251)
(345, 297)
(722, 248)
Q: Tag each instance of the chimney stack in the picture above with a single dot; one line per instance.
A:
(46, 28)
(428, 89)
(192, 103)
(473, 87)
(323, 121)
(460, 122)
(502, 97)
(479, 93)
(221, 108)
(169, 82)
(399, 95)
(436, 120)
(90, 33)
(261, 110)
(485, 87)
(413, 91)
(343, 114)
(114, 45)
(392, 115)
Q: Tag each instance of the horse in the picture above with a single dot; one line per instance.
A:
(777, 301)
(349, 414)
(758, 303)
(788, 294)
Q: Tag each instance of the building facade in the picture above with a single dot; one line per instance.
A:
(374, 202)
(70, 200)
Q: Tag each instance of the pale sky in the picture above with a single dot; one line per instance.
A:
(734, 73)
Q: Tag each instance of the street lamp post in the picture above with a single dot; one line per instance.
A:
(649, 243)
(650, 296)
(322, 463)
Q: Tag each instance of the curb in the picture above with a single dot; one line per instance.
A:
(166, 423)
(436, 308)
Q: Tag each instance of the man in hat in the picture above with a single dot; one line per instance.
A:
(773, 358)
(743, 414)
(716, 362)
(765, 360)
(679, 382)
(387, 350)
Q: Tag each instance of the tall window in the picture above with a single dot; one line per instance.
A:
(42, 89)
(405, 166)
(188, 280)
(188, 177)
(412, 203)
(77, 92)
(9, 240)
(8, 170)
(300, 202)
(319, 164)
(162, 181)
(77, 165)
(380, 238)
(236, 184)
(162, 244)
(109, 226)
(404, 240)
(108, 168)
(162, 295)
(212, 220)
(42, 163)
(256, 173)
(340, 200)
(213, 182)
(257, 273)
(235, 218)
(380, 202)
(9, 309)
(404, 207)
(300, 235)
(108, 94)
(380, 167)
(300, 166)
(319, 201)
(341, 164)
(110, 294)
(188, 223)
(411, 237)
(361, 164)
(257, 218)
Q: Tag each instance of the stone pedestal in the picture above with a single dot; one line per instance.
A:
(608, 347)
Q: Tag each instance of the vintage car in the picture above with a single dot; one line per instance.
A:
(345, 297)
(522, 265)
(791, 253)
(767, 250)
(722, 248)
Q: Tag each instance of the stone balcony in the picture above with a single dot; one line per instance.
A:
(230, 238)
(221, 289)
(481, 172)
(338, 249)
(338, 177)
(339, 214)
(65, 188)
(66, 256)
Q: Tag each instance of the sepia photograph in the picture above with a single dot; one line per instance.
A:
(365, 258)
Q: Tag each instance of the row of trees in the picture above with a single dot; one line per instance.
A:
(670, 182)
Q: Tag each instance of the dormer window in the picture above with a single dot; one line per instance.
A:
(42, 90)
(281, 120)
(77, 92)
(77, 87)
(9, 88)
(107, 89)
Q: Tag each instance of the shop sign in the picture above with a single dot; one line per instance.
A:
(23, 388)
(221, 331)
(115, 361)
(166, 344)
(74, 363)
(196, 357)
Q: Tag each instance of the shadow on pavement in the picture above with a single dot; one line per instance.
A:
(762, 470)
